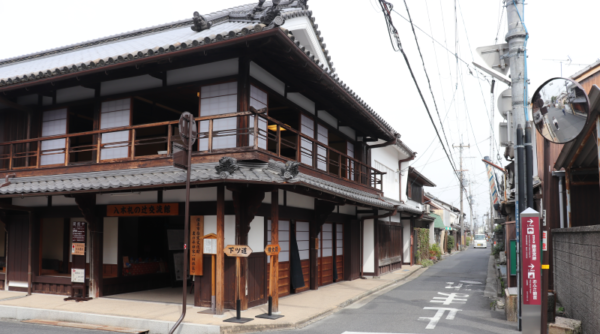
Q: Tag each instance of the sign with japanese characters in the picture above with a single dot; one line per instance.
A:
(79, 232)
(210, 244)
(78, 275)
(78, 248)
(196, 234)
(530, 259)
(238, 251)
(142, 210)
(272, 250)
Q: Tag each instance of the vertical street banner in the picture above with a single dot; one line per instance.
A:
(530, 255)
(531, 273)
(196, 247)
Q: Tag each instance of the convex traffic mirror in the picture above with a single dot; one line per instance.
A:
(560, 110)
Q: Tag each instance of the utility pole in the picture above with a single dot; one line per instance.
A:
(517, 45)
(462, 186)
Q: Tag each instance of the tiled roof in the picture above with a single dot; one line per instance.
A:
(166, 176)
(158, 40)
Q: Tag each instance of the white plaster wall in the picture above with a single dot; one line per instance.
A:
(2, 239)
(30, 201)
(431, 234)
(256, 236)
(213, 70)
(302, 29)
(348, 209)
(196, 195)
(266, 78)
(111, 240)
(210, 226)
(406, 241)
(302, 101)
(328, 118)
(300, 201)
(388, 156)
(368, 246)
(267, 198)
(404, 180)
(62, 201)
(396, 218)
(127, 198)
(52, 238)
(129, 85)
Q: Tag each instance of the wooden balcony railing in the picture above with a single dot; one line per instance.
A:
(217, 134)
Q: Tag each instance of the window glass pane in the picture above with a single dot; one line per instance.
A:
(327, 227)
(327, 243)
(306, 151)
(323, 135)
(321, 157)
(284, 225)
(303, 245)
(114, 114)
(258, 100)
(327, 235)
(340, 251)
(304, 255)
(302, 226)
(301, 236)
(54, 123)
(284, 256)
(327, 252)
(285, 246)
(308, 126)
(218, 100)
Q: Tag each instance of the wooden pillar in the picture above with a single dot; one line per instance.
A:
(87, 205)
(30, 254)
(412, 241)
(96, 256)
(244, 99)
(220, 297)
(246, 202)
(274, 274)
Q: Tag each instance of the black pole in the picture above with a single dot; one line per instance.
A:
(270, 305)
(529, 167)
(521, 208)
(238, 307)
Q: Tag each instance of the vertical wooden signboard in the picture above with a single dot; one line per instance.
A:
(196, 245)
(78, 243)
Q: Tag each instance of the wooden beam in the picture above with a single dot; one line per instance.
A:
(220, 297)
(162, 106)
(274, 273)
(14, 105)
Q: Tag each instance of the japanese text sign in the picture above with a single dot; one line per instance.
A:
(530, 259)
(78, 248)
(141, 210)
(78, 275)
(196, 233)
(79, 231)
(238, 251)
(272, 250)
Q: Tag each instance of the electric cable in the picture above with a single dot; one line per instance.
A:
(393, 32)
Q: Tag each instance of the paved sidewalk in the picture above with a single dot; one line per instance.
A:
(299, 310)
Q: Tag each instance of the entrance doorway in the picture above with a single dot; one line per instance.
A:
(331, 254)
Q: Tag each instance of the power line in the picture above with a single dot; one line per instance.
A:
(426, 74)
(393, 32)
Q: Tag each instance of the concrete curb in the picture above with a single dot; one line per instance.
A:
(316, 317)
(490, 282)
(154, 326)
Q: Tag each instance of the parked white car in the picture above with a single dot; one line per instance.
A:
(480, 241)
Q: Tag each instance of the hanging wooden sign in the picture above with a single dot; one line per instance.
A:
(196, 245)
(238, 251)
(142, 210)
(272, 249)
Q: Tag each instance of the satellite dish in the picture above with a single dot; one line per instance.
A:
(493, 56)
(561, 109)
(505, 102)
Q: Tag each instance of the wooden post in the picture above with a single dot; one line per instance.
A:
(274, 265)
(30, 254)
(96, 266)
(278, 144)
(68, 146)
(98, 148)
(256, 131)
(132, 144)
(210, 135)
(169, 138)
(220, 294)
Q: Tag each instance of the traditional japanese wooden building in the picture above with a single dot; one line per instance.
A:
(283, 155)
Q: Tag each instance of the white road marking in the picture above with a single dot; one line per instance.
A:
(456, 287)
(451, 298)
(471, 282)
(438, 315)
(372, 333)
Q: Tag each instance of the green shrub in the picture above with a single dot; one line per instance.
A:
(426, 263)
(496, 250)
(437, 252)
(450, 243)
(423, 244)
(467, 242)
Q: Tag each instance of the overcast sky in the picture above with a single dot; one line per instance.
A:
(356, 36)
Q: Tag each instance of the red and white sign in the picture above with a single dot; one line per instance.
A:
(544, 241)
(530, 258)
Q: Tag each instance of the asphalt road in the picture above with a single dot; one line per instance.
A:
(569, 125)
(413, 306)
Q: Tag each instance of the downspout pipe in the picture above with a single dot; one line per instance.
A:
(362, 222)
(560, 175)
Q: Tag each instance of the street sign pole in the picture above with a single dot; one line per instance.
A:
(238, 251)
(531, 308)
(272, 251)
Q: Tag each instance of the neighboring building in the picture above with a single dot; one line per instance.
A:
(449, 215)
(89, 131)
